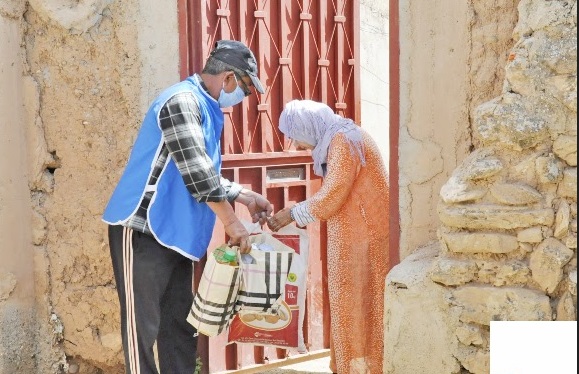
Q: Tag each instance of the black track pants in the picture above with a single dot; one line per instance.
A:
(154, 284)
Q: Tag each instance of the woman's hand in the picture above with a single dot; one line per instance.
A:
(280, 219)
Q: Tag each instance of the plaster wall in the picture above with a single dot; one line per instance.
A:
(374, 72)
(75, 78)
(448, 55)
(15, 208)
(17, 302)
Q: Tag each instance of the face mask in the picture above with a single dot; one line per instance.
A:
(232, 98)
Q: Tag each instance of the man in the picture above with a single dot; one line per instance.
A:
(162, 212)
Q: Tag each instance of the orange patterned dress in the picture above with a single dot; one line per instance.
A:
(354, 202)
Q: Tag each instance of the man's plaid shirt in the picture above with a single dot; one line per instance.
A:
(183, 141)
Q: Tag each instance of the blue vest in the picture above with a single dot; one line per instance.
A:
(175, 218)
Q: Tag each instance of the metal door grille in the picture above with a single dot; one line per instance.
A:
(306, 49)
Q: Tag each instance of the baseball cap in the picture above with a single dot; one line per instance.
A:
(239, 56)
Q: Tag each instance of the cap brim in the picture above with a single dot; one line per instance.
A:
(256, 83)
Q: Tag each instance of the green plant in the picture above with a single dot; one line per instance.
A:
(198, 366)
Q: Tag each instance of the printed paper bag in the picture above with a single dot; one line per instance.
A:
(214, 303)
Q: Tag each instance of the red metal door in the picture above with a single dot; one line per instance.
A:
(306, 49)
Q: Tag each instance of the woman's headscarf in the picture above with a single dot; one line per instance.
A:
(315, 123)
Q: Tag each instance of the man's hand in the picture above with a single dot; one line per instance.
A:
(280, 219)
(238, 236)
(237, 233)
(258, 206)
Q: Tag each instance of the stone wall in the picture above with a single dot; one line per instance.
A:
(448, 66)
(508, 238)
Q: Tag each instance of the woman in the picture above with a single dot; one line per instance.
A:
(353, 199)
